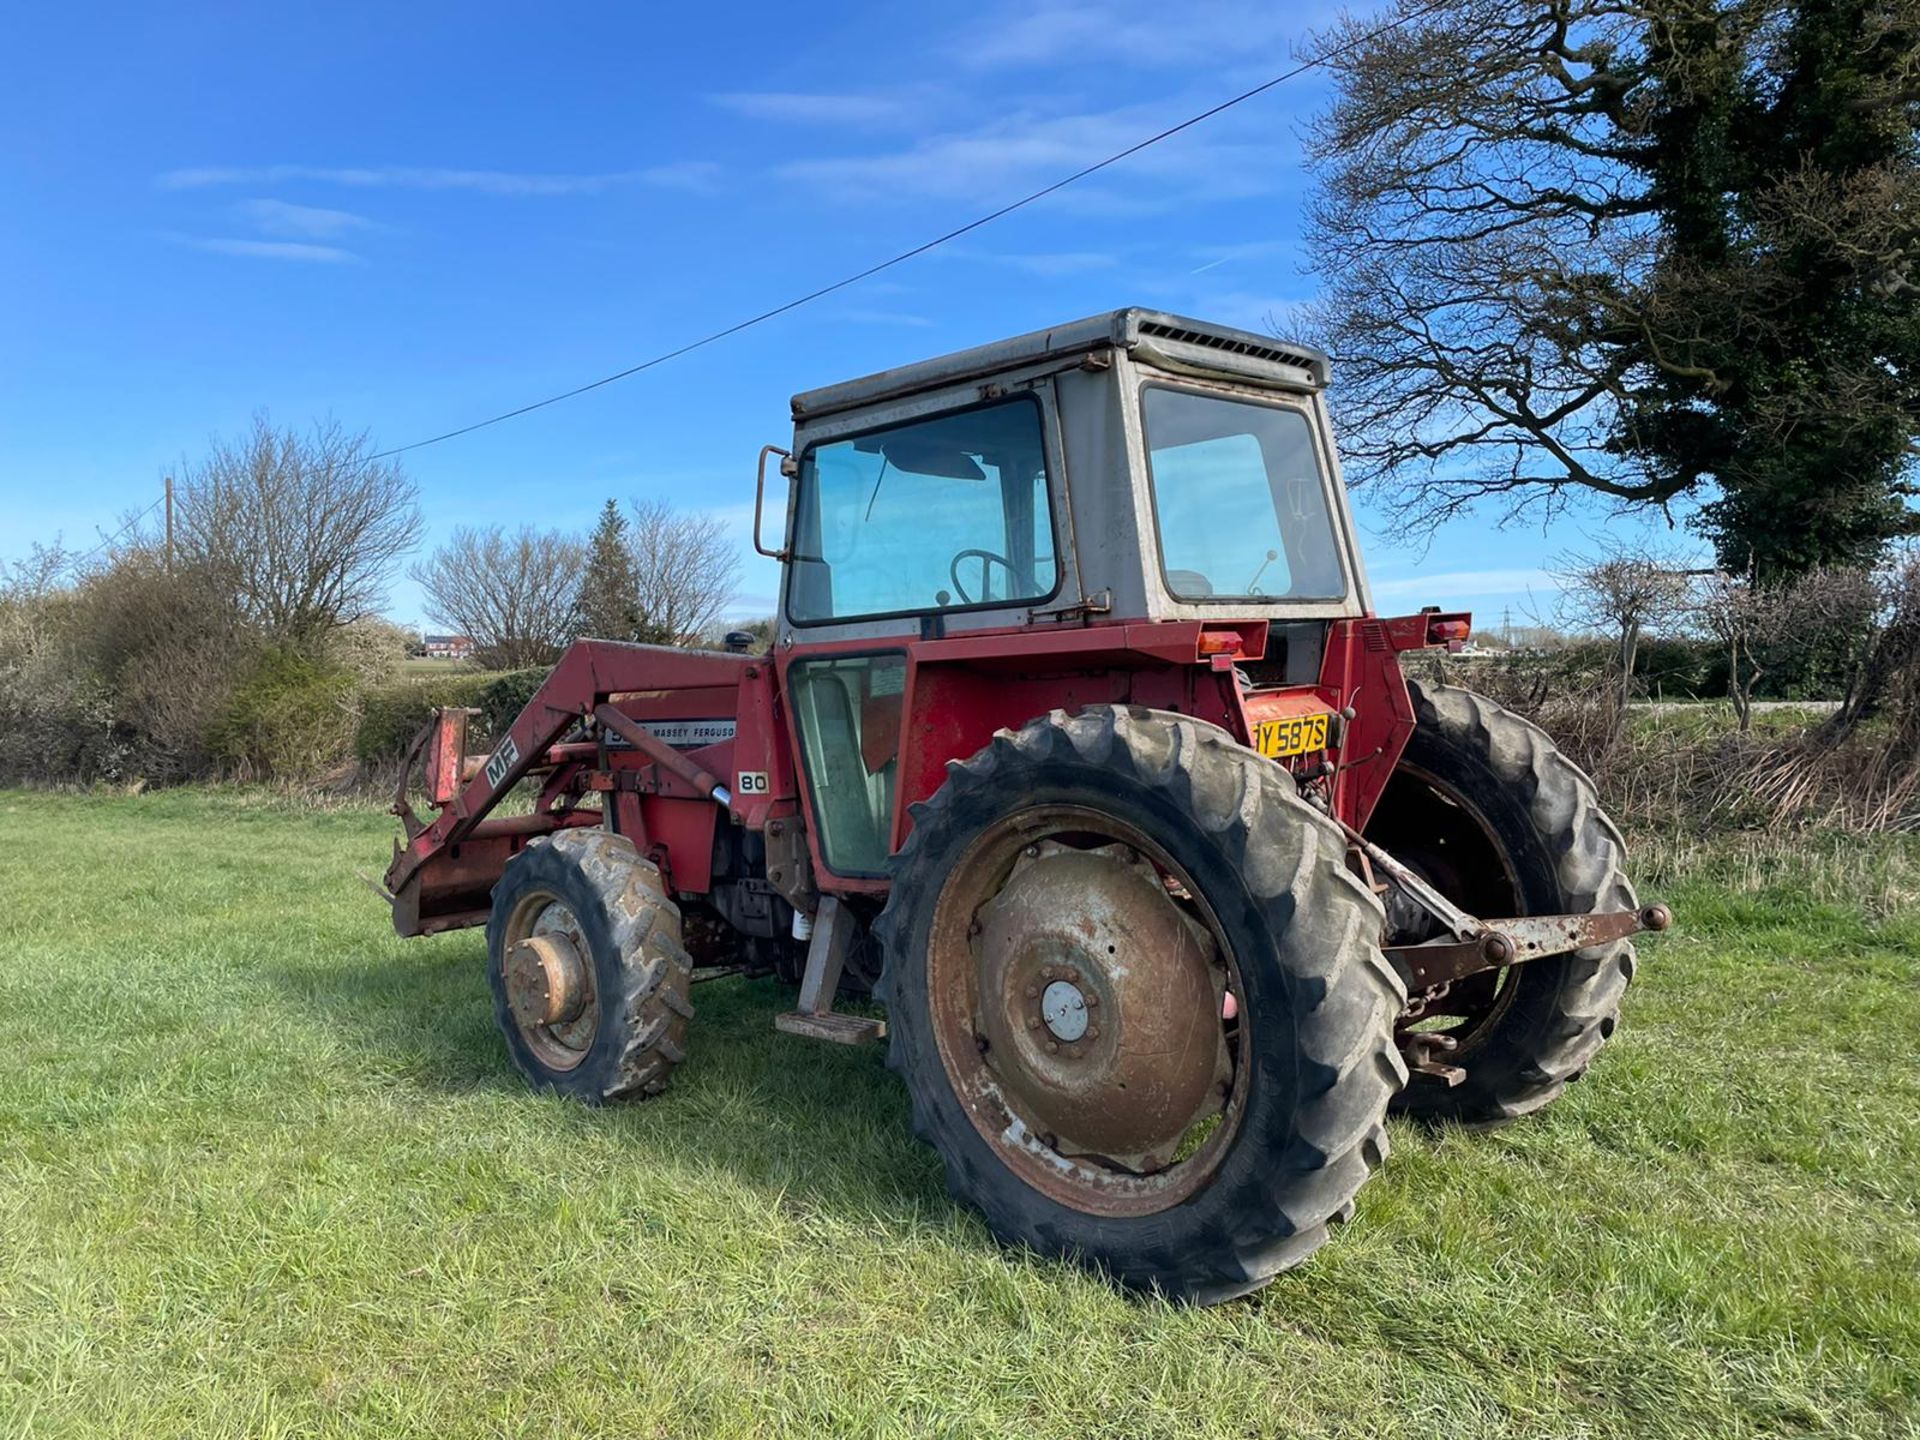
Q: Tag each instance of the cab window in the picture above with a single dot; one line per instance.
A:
(1239, 499)
(948, 513)
(850, 711)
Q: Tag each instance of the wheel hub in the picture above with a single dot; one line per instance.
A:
(546, 980)
(1099, 1004)
(1064, 1008)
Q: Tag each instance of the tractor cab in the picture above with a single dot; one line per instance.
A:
(1104, 492)
(1133, 464)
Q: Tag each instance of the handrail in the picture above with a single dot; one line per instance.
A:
(760, 495)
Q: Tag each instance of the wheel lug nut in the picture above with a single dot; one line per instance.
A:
(1033, 992)
(1053, 1047)
(1033, 1024)
(1033, 852)
(1092, 1000)
(1070, 973)
(1093, 1032)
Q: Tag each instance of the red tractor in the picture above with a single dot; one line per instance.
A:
(1080, 746)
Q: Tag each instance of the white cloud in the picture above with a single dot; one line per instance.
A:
(747, 606)
(678, 175)
(304, 222)
(794, 108)
(274, 250)
(1022, 151)
(697, 177)
(1050, 265)
(1144, 33)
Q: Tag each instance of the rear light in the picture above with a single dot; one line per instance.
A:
(1450, 631)
(1221, 642)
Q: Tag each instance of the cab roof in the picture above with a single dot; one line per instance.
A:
(1172, 341)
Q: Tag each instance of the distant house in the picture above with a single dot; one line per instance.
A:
(448, 647)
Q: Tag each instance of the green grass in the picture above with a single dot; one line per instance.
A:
(264, 1170)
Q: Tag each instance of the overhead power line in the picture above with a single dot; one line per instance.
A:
(921, 249)
(72, 567)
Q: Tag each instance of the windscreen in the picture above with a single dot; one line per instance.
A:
(945, 513)
(1239, 499)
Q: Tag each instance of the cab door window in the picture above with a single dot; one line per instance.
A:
(848, 709)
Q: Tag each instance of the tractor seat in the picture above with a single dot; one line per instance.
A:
(1189, 583)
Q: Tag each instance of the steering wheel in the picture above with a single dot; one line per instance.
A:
(988, 559)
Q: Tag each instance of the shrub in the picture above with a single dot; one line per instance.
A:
(290, 718)
(507, 696)
(392, 714)
(1680, 668)
(372, 650)
(56, 720)
(168, 647)
(118, 676)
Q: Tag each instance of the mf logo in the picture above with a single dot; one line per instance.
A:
(504, 759)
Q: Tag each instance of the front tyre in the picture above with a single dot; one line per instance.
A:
(1067, 921)
(1488, 810)
(587, 968)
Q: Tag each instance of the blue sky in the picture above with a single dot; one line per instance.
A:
(411, 217)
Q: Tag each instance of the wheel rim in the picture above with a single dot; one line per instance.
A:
(1077, 981)
(547, 967)
(1469, 1010)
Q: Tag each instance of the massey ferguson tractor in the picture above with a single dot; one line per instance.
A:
(1080, 749)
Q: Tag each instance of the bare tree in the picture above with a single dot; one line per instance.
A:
(1626, 595)
(1887, 678)
(687, 569)
(1819, 624)
(304, 530)
(1644, 249)
(36, 574)
(1738, 615)
(512, 595)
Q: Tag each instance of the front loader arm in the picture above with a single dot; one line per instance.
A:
(562, 700)
(442, 872)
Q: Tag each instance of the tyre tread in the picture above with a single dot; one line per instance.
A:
(1589, 862)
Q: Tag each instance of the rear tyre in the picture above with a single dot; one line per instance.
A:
(1068, 916)
(1493, 815)
(588, 972)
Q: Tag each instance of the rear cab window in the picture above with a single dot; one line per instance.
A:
(1239, 499)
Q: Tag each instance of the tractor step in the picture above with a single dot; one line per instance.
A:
(826, 956)
(840, 1029)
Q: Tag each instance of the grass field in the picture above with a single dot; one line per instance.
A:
(264, 1171)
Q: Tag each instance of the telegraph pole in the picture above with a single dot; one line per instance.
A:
(169, 524)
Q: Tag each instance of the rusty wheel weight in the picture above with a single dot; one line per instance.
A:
(1077, 1005)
